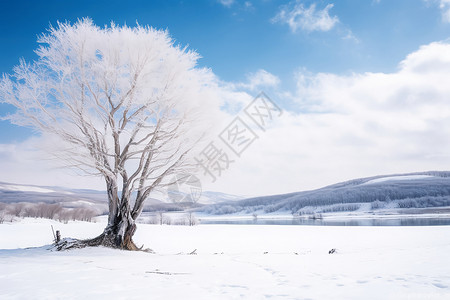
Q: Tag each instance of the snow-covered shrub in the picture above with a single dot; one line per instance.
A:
(227, 209)
(307, 210)
(166, 220)
(83, 214)
(377, 204)
(181, 221)
(16, 209)
(422, 202)
(340, 207)
(153, 220)
(160, 218)
(48, 211)
(274, 207)
(408, 203)
(65, 215)
(316, 216)
(270, 208)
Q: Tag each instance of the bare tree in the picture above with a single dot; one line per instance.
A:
(124, 104)
(30, 211)
(160, 216)
(166, 220)
(16, 209)
(2, 216)
(192, 220)
(52, 210)
(65, 215)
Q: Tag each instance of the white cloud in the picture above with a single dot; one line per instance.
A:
(25, 163)
(362, 124)
(357, 125)
(259, 80)
(348, 35)
(444, 6)
(296, 15)
(226, 3)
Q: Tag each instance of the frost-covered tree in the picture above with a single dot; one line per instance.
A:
(124, 103)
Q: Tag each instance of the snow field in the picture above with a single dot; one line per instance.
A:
(232, 262)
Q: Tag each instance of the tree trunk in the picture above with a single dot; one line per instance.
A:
(118, 233)
(111, 238)
(113, 201)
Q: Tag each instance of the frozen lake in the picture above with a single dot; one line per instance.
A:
(407, 221)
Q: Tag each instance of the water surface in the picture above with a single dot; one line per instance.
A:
(417, 221)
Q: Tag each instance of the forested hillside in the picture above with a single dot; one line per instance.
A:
(414, 190)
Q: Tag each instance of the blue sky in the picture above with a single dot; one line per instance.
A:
(287, 40)
(236, 38)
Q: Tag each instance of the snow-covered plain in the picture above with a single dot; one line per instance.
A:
(231, 262)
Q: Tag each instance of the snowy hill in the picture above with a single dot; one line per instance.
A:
(22, 193)
(401, 191)
(208, 197)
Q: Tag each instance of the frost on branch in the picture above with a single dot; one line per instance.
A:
(125, 103)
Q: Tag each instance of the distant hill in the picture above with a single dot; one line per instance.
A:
(412, 190)
(70, 198)
(93, 199)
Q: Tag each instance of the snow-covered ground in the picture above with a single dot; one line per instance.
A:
(397, 178)
(232, 262)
